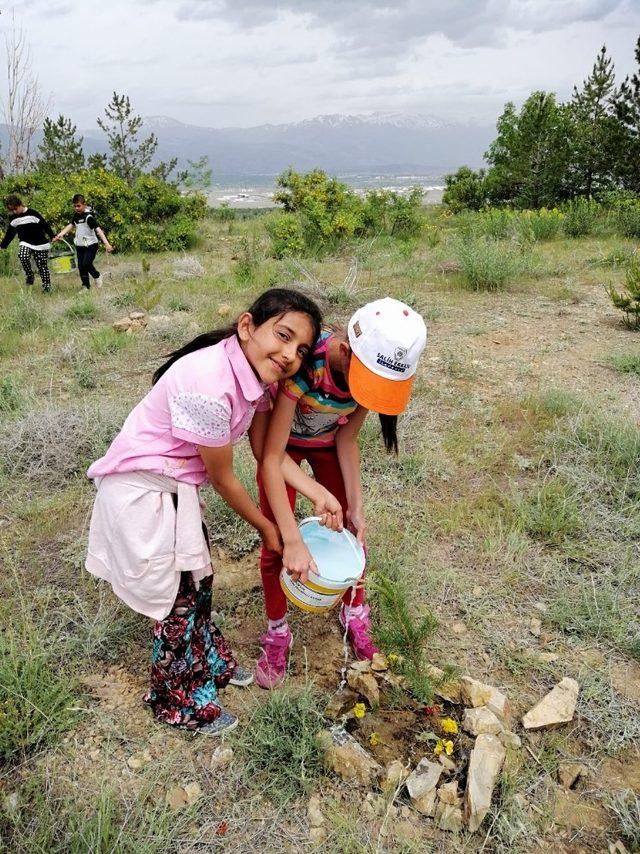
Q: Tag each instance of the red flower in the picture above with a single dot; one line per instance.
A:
(209, 713)
(177, 697)
(174, 630)
(169, 716)
(222, 828)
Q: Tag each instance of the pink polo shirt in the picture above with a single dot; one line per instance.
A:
(205, 398)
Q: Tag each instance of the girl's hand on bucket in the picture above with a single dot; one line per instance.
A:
(328, 508)
(297, 560)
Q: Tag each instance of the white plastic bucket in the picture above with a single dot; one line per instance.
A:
(340, 560)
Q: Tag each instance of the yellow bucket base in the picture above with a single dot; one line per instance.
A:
(316, 599)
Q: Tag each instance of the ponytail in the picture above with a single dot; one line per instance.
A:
(207, 339)
(389, 427)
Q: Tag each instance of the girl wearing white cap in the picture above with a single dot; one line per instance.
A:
(317, 417)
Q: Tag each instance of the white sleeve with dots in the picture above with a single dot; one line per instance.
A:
(201, 416)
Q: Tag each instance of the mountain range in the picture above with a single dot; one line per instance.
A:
(378, 143)
(387, 143)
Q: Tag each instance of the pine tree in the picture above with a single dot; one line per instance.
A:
(593, 129)
(627, 111)
(60, 151)
(128, 157)
(529, 157)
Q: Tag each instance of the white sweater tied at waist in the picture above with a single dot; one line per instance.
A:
(140, 542)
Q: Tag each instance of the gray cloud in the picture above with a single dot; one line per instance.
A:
(374, 27)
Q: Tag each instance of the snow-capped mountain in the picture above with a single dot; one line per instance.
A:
(375, 143)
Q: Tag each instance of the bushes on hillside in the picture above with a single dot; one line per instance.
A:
(321, 212)
(150, 216)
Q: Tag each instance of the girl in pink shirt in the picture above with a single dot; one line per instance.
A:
(146, 536)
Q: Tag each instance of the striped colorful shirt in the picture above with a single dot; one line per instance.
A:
(322, 405)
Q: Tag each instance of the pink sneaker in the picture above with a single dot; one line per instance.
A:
(271, 668)
(358, 628)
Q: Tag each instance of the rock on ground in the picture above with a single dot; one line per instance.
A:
(340, 703)
(395, 773)
(481, 720)
(366, 685)
(347, 758)
(449, 817)
(557, 707)
(421, 786)
(476, 694)
(485, 763)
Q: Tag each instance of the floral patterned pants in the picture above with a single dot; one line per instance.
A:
(191, 659)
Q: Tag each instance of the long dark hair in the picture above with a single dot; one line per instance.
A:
(389, 427)
(271, 303)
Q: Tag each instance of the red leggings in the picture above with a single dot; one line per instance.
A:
(326, 469)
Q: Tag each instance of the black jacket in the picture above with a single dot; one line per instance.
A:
(31, 227)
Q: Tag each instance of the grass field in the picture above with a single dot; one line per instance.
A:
(516, 497)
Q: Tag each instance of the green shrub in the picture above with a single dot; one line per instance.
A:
(629, 301)
(498, 223)
(544, 224)
(626, 363)
(581, 217)
(487, 265)
(604, 611)
(35, 692)
(11, 398)
(625, 212)
(83, 308)
(387, 212)
(152, 215)
(107, 341)
(551, 513)
(465, 190)
(286, 235)
(26, 314)
(279, 744)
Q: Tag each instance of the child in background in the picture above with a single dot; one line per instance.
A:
(86, 240)
(146, 536)
(317, 417)
(33, 232)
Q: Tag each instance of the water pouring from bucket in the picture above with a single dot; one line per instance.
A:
(340, 561)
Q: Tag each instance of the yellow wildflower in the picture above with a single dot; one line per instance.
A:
(392, 659)
(449, 726)
(374, 739)
(359, 710)
(448, 747)
(438, 748)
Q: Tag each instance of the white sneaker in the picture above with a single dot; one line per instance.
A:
(99, 281)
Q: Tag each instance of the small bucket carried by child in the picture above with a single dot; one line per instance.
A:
(340, 560)
(62, 257)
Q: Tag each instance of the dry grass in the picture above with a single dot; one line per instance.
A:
(515, 495)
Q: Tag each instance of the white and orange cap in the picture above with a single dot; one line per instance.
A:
(386, 339)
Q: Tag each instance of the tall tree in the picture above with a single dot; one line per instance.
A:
(627, 111)
(24, 107)
(529, 156)
(594, 129)
(60, 151)
(128, 157)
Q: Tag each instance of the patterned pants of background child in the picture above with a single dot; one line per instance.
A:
(191, 659)
(40, 256)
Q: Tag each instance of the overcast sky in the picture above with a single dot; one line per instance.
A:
(232, 63)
